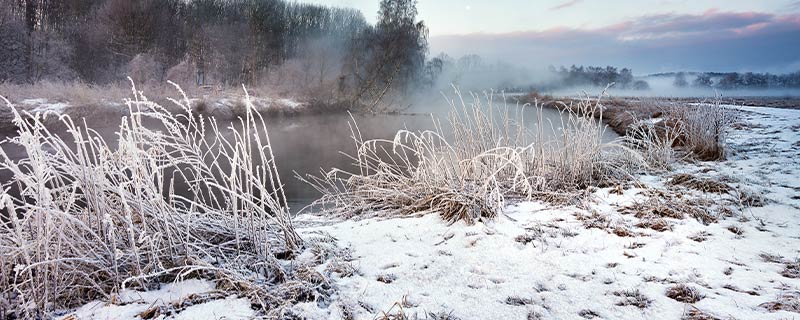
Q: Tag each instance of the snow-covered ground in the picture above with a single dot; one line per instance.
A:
(43, 106)
(540, 261)
(226, 107)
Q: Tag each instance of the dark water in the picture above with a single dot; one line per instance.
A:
(307, 143)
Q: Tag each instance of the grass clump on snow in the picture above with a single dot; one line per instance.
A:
(684, 293)
(91, 218)
(786, 301)
(668, 131)
(467, 169)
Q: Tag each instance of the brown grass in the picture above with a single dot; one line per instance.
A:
(684, 293)
(667, 204)
(701, 184)
(633, 298)
(786, 301)
(792, 270)
(697, 314)
(92, 220)
(491, 157)
(700, 130)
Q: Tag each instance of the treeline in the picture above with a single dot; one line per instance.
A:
(598, 77)
(212, 42)
(471, 72)
(735, 80)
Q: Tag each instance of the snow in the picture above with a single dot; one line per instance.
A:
(481, 271)
(471, 271)
(130, 303)
(229, 308)
(42, 106)
(289, 103)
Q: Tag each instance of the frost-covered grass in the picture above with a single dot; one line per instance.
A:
(467, 168)
(657, 126)
(76, 99)
(541, 261)
(87, 218)
(535, 228)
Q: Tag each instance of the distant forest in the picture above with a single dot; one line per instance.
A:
(598, 77)
(213, 42)
(735, 80)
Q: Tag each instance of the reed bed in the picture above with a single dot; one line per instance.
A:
(469, 167)
(664, 130)
(90, 218)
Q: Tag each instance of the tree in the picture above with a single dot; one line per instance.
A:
(680, 80)
(390, 56)
(641, 85)
(703, 80)
(730, 81)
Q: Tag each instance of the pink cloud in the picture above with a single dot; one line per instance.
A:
(723, 34)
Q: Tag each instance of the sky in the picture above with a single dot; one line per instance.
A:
(648, 36)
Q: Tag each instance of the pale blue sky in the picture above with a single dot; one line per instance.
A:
(447, 17)
(649, 36)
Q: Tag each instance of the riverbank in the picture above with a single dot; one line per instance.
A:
(706, 240)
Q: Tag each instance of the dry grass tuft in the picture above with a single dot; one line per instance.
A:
(701, 184)
(588, 314)
(633, 298)
(518, 301)
(387, 278)
(750, 197)
(467, 173)
(673, 205)
(664, 130)
(735, 230)
(705, 128)
(684, 293)
(697, 314)
(792, 270)
(772, 258)
(535, 315)
(786, 301)
(91, 218)
(657, 224)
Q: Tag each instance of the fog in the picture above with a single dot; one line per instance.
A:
(474, 73)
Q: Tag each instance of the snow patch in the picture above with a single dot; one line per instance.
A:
(42, 106)
(131, 303)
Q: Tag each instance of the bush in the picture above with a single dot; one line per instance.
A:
(704, 127)
(467, 172)
(91, 218)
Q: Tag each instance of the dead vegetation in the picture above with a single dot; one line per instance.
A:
(786, 301)
(659, 127)
(632, 297)
(684, 293)
(792, 269)
(398, 312)
(588, 314)
(664, 204)
(88, 220)
(518, 301)
(490, 158)
(701, 184)
(697, 314)
(386, 278)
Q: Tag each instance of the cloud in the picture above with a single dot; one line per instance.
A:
(565, 5)
(712, 41)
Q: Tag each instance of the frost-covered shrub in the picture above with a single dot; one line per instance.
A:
(89, 217)
(465, 170)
